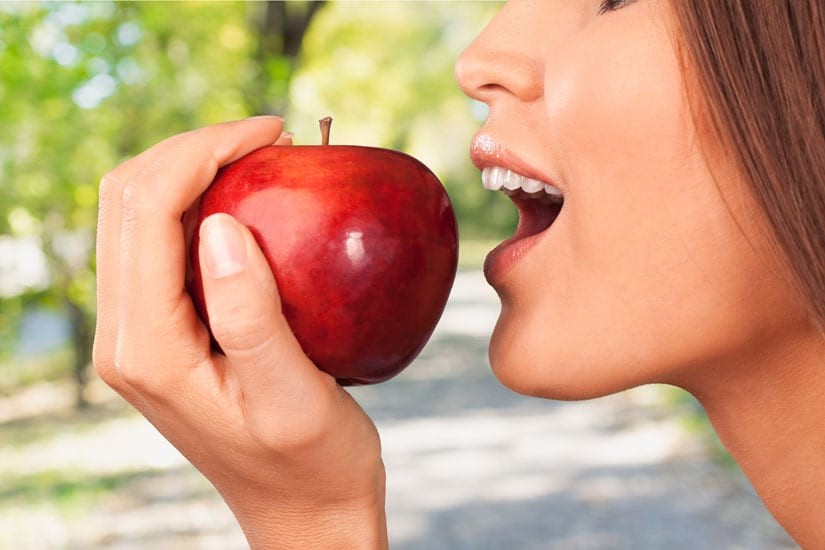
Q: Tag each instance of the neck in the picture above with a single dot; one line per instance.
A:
(769, 412)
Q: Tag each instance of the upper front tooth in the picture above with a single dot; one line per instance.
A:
(496, 177)
(512, 181)
(485, 178)
(550, 190)
(531, 186)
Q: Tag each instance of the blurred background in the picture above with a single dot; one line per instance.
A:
(85, 85)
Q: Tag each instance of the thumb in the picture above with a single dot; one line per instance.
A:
(244, 310)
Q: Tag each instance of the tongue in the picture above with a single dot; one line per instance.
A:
(534, 217)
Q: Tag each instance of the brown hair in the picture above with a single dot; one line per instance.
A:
(759, 70)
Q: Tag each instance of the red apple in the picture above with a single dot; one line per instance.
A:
(363, 244)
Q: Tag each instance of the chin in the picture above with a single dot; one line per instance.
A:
(553, 372)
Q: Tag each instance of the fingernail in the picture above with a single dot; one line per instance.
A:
(223, 245)
(287, 135)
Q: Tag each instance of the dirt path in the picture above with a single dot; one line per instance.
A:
(470, 466)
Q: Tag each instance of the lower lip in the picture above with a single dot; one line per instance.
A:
(506, 255)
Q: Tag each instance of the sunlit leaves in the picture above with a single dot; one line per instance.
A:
(385, 72)
(85, 85)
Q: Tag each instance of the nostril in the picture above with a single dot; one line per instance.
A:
(489, 87)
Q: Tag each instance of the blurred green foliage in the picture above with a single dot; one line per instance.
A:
(65, 490)
(385, 72)
(85, 85)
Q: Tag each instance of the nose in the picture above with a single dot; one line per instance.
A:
(504, 60)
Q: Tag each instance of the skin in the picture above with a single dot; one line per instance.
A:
(658, 269)
(272, 432)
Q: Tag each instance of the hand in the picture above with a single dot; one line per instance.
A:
(293, 455)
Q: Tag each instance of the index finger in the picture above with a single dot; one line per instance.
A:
(153, 304)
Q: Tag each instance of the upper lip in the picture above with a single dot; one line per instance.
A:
(486, 152)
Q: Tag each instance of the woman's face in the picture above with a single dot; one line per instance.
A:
(652, 271)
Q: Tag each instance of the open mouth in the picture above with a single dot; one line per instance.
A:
(534, 215)
(538, 203)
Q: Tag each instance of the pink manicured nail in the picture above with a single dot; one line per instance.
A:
(223, 246)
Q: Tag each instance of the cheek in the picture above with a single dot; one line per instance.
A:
(643, 211)
(646, 273)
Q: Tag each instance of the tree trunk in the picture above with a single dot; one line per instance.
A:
(82, 322)
(281, 31)
(82, 340)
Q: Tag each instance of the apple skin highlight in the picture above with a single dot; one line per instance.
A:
(363, 244)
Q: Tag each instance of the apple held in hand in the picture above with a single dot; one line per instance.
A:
(363, 244)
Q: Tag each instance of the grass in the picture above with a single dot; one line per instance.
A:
(18, 372)
(67, 491)
(74, 493)
(42, 426)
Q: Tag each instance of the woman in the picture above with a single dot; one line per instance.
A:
(687, 139)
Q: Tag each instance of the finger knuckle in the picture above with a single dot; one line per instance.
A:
(134, 200)
(126, 369)
(213, 163)
(104, 364)
(109, 187)
(132, 370)
(140, 194)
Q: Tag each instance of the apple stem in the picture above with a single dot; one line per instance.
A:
(326, 123)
